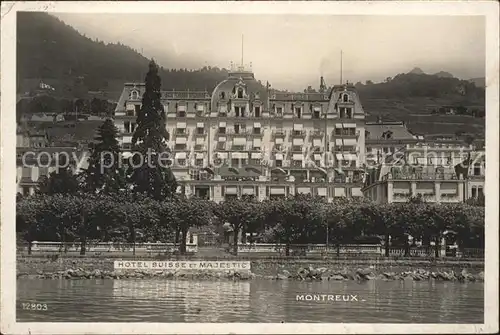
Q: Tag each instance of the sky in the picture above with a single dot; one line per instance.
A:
(293, 51)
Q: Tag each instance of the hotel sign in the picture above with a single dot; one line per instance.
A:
(181, 265)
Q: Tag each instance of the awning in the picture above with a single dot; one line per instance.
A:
(350, 141)
(239, 141)
(350, 157)
(278, 170)
(339, 171)
(200, 155)
(278, 140)
(339, 156)
(200, 125)
(127, 154)
(256, 155)
(339, 192)
(277, 190)
(256, 142)
(278, 156)
(256, 125)
(127, 139)
(298, 141)
(239, 155)
(356, 192)
(180, 155)
(317, 142)
(339, 141)
(222, 155)
(222, 124)
(200, 141)
(304, 190)
(317, 157)
(180, 140)
(317, 108)
(200, 107)
(181, 108)
(248, 190)
(231, 190)
(297, 127)
(322, 191)
(181, 125)
(349, 125)
(338, 125)
(297, 157)
(222, 139)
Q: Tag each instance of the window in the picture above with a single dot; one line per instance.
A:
(298, 112)
(181, 162)
(199, 162)
(222, 130)
(257, 111)
(26, 190)
(256, 131)
(430, 160)
(134, 95)
(279, 163)
(316, 115)
(235, 161)
(345, 98)
(477, 169)
(221, 146)
(279, 111)
(179, 146)
(181, 114)
(236, 128)
(222, 95)
(240, 93)
(137, 109)
(254, 161)
(180, 131)
(474, 192)
(127, 126)
(480, 191)
(238, 111)
(297, 148)
(200, 131)
(278, 147)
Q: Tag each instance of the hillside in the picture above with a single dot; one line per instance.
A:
(50, 50)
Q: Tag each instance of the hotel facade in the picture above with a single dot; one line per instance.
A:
(244, 139)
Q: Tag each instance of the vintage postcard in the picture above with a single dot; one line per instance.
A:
(249, 167)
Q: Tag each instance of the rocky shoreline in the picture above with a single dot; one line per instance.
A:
(303, 274)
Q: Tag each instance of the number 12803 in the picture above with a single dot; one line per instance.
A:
(34, 307)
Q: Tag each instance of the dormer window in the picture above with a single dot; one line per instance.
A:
(345, 98)
(387, 135)
(134, 95)
(222, 95)
(240, 93)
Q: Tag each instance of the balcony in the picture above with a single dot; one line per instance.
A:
(240, 132)
(279, 133)
(346, 148)
(350, 132)
(317, 133)
(200, 147)
(200, 132)
(238, 148)
(296, 148)
(181, 132)
(298, 133)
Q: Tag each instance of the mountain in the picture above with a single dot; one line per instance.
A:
(479, 82)
(48, 50)
(443, 74)
(417, 70)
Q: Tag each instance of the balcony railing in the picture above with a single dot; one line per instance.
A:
(298, 133)
(317, 133)
(420, 176)
(279, 133)
(182, 132)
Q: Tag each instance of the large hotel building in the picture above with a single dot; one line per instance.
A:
(243, 139)
(246, 139)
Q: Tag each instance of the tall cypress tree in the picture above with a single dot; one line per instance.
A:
(104, 172)
(150, 138)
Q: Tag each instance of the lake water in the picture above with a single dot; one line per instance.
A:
(249, 301)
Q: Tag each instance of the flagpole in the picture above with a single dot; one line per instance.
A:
(340, 67)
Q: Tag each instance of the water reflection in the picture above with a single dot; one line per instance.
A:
(255, 301)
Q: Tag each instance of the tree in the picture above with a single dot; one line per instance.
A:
(104, 172)
(61, 181)
(191, 212)
(241, 214)
(151, 174)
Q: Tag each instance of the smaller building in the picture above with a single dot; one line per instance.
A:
(439, 172)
